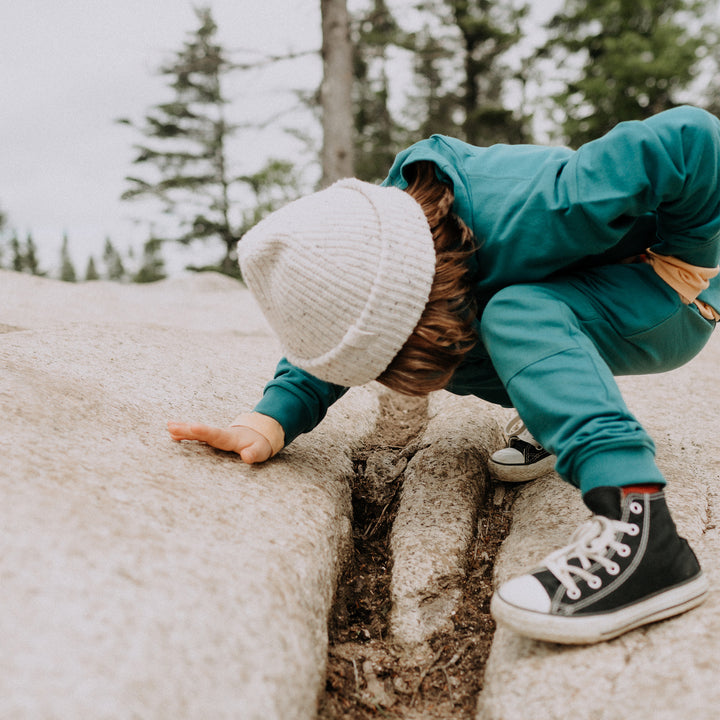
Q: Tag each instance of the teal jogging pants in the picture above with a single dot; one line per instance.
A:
(556, 347)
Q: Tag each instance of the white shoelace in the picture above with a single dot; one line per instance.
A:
(516, 428)
(589, 544)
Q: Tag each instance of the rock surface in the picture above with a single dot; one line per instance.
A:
(445, 483)
(145, 578)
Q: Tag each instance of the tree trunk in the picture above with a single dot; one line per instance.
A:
(335, 93)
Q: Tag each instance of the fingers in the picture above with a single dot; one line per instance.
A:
(249, 444)
(185, 431)
(217, 437)
(178, 431)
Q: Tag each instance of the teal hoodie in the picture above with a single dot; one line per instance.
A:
(537, 211)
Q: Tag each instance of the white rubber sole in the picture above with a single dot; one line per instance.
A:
(582, 630)
(521, 473)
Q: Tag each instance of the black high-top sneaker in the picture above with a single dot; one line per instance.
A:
(623, 568)
(523, 458)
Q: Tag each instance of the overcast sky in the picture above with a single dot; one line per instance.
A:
(69, 68)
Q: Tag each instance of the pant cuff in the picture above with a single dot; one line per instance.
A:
(618, 468)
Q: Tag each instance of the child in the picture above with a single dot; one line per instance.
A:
(527, 276)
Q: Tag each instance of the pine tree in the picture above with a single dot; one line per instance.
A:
(488, 29)
(24, 256)
(30, 260)
(187, 148)
(3, 225)
(274, 185)
(114, 268)
(67, 269)
(18, 257)
(432, 98)
(153, 265)
(91, 272)
(636, 58)
(470, 44)
(378, 136)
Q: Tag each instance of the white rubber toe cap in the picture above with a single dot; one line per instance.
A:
(508, 456)
(525, 592)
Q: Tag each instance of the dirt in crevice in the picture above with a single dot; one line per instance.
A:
(367, 677)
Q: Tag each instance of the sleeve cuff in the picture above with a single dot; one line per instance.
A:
(268, 427)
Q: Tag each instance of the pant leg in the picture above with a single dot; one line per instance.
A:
(556, 347)
(477, 376)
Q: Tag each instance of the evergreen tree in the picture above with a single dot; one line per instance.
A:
(91, 272)
(30, 260)
(636, 58)
(18, 256)
(114, 268)
(378, 135)
(433, 98)
(24, 256)
(67, 269)
(274, 185)
(153, 265)
(488, 29)
(3, 225)
(471, 43)
(188, 143)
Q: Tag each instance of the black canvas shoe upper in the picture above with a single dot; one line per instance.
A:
(531, 453)
(628, 551)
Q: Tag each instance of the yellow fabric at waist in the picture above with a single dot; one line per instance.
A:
(687, 280)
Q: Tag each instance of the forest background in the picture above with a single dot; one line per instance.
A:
(212, 156)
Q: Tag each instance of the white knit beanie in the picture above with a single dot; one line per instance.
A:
(342, 276)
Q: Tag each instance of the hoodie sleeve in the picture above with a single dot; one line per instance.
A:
(297, 400)
(669, 165)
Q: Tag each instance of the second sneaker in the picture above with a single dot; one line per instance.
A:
(523, 458)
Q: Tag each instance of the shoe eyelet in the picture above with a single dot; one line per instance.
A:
(574, 593)
(613, 569)
(633, 529)
(636, 508)
(623, 551)
(594, 582)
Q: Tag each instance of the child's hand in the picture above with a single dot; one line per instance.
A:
(249, 444)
